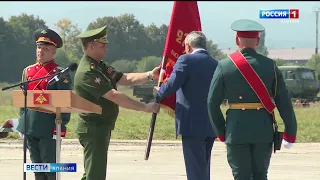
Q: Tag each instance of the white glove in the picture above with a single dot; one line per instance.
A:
(287, 144)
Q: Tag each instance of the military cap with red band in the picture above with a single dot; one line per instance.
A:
(48, 36)
(247, 28)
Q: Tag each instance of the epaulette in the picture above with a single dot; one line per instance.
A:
(24, 75)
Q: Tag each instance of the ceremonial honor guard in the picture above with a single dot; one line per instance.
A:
(41, 131)
(254, 87)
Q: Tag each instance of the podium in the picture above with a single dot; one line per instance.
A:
(55, 102)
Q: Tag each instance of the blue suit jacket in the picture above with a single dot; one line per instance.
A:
(190, 79)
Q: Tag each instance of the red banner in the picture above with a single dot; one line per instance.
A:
(184, 19)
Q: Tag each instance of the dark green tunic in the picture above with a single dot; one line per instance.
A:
(92, 80)
(248, 133)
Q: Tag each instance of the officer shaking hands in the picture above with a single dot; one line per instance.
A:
(97, 82)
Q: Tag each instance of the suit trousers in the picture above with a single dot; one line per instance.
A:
(95, 140)
(42, 150)
(197, 156)
(249, 161)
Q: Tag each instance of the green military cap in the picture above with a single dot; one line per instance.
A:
(247, 28)
(48, 36)
(95, 35)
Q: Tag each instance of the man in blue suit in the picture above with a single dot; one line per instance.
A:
(190, 79)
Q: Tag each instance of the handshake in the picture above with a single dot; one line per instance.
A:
(153, 107)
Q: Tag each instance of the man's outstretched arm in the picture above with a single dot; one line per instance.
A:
(175, 81)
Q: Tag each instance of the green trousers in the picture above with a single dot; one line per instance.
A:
(249, 161)
(42, 150)
(95, 140)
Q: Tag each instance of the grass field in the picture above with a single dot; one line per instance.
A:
(135, 125)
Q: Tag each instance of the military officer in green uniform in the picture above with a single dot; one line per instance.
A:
(40, 132)
(248, 129)
(97, 82)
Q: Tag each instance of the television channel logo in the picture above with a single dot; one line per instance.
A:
(50, 167)
(286, 15)
(279, 14)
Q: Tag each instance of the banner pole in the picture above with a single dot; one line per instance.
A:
(154, 115)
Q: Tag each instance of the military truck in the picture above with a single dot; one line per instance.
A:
(301, 82)
(145, 91)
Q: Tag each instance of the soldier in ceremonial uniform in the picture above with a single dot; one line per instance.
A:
(254, 87)
(97, 82)
(41, 126)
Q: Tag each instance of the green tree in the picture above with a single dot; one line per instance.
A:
(157, 37)
(214, 51)
(137, 41)
(68, 32)
(125, 66)
(7, 42)
(314, 63)
(20, 45)
(262, 49)
(62, 58)
(148, 63)
(279, 61)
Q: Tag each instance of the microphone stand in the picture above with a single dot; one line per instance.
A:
(24, 86)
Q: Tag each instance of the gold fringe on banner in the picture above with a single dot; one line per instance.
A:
(168, 110)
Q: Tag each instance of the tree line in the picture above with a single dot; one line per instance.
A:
(133, 46)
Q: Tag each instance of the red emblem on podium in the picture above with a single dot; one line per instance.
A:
(41, 98)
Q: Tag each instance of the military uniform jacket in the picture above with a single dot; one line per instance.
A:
(40, 124)
(248, 125)
(92, 80)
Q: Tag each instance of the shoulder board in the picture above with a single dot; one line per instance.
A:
(28, 67)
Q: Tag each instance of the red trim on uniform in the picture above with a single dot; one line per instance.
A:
(290, 139)
(248, 34)
(253, 79)
(222, 138)
(35, 73)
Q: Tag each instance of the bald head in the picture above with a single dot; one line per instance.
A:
(247, 42)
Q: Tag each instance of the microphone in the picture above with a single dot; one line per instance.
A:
(72, 67)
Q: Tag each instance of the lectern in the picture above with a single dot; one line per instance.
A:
(56, 102)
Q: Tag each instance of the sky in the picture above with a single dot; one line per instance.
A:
(216, 17)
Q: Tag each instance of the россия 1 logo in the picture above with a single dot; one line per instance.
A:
(286, 15)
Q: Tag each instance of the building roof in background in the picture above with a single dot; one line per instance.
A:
(286, 54)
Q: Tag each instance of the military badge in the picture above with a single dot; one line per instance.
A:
(43, 32)
(41, 98)
(65, 80)
(98, 81)
(91, 66)
(109, 70)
